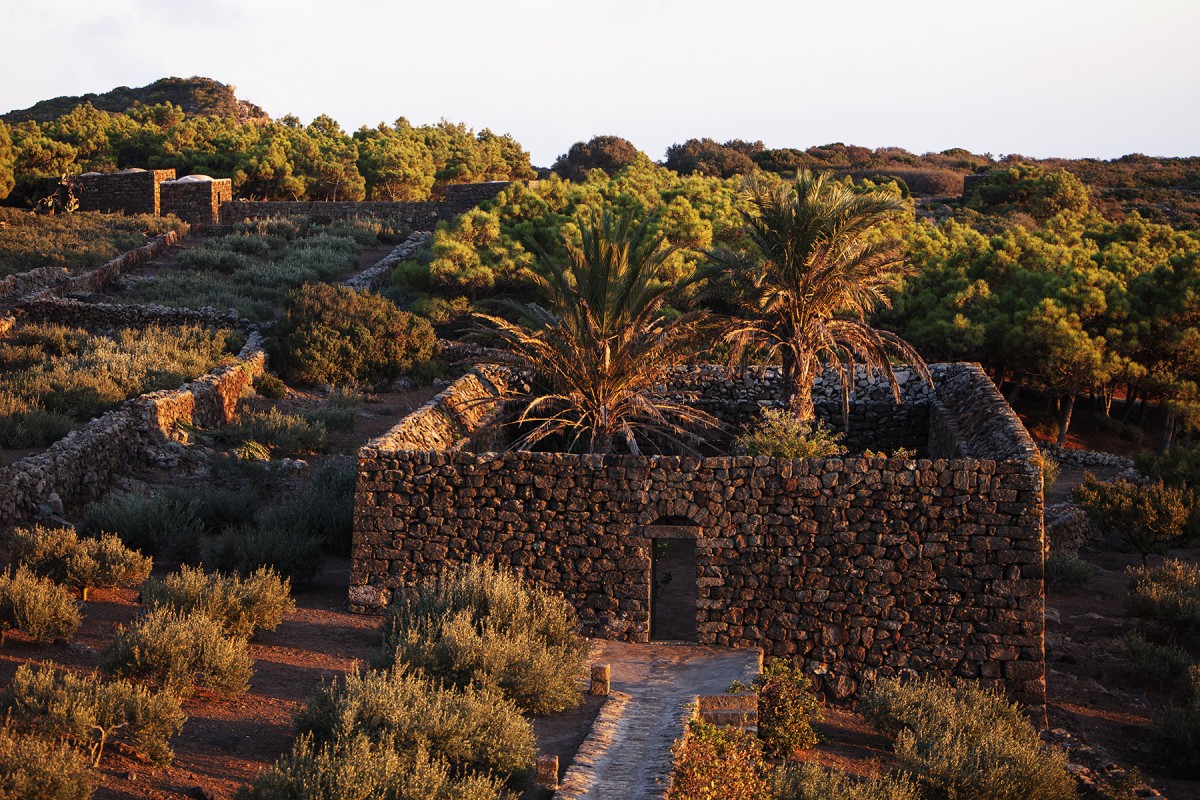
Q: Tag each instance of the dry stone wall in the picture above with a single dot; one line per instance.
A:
(857, 567)
(110, 316)
(196, 200)
(81, 465)
(133, 191)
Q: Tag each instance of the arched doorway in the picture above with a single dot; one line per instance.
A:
(673, 574)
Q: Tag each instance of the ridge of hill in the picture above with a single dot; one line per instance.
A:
(196, 96)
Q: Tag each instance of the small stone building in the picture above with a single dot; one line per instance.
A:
(859, 566)
(131, 191)
(196, 199)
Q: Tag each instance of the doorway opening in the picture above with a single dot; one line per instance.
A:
(673, 589)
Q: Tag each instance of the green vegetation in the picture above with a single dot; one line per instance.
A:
(811, 781)
(1147, 517)
(166, 525)
(282, 434)
(335, 335)
(821, 268)
(470, 728)
(714, 762)
(82, 564)
(70, 372)
(240, 606)
(36, 606)
(90, 712)
(1177, 731)
(71, 241)
(359, 767)
(324, 509)
(292, 552)
(780, 434)
(966, 742)
(599, 345)
(1067, 572)
(787, 709)
(34, 768)
(485, 627)
(1166, 665)
(1168, 594)
(175, 651)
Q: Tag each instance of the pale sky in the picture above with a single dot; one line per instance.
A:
(1042, 78)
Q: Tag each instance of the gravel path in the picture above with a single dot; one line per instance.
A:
(628, 756)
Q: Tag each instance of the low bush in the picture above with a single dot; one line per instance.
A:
(323, 507)
(204, 289)
(1147, 517)
(1168, 594)
(284, 228)
(1178, 466)
(1176, 732)
(216, 507)
(1051, 469)
(73, 241)
(1165, 665)
(90, 712)
(293, 553)
(469, 728)
(717, 763)
(966, 742)
(82, 564)
(335, 335)
(24, 423)
(1068, 572)
(787, 707)
(483, 626)
(36, 606)
(246, 244)
(332, 418)
(215, 259)
(359, 768)
(157, 525)
(32, 768)
(284, 434)
(811, 781)
(176, 651)
(780, 434)
(241, 606)
(271, 387)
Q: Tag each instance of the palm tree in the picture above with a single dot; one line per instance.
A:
(821, 269)
(600, 345)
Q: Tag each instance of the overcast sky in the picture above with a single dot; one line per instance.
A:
(1041, 78)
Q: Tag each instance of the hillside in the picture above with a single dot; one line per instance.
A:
(195, 95)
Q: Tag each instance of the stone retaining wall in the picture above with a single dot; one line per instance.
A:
(83, 464)
(377, 275)
(62, 281)
(108, 316)
(858, 567)
(1088, 458)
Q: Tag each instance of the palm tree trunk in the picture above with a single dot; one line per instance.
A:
(801, 401)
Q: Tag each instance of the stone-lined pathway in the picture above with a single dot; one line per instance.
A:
(628, 755)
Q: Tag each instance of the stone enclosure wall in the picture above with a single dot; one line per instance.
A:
(857, 567)
(133, 191)
(196, 200)
(422, 215)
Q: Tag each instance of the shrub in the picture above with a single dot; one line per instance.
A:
(271, 387)
(286, 228)
(787, 708)
(216, 507)
(295, 554)
(288, 434)
(966, 742)
(240, 606)
(335, 335)
(1179, 466)
(249, 245)
(155, 525)
(1176, 732)
(90, 712)
(1051, 469)
(469, 728)
(1163, 664)
(811, 781)
(714, 763)
(32, 768)
(324, 507)
(1147, 517)
(60, 555)
(1168, 594)
(780, 434)
(252, 451)
(361, 769)
(215, 259)
(37, 606)
(1068, 572)
(24, 423)
(479, 625)
(175, 651)
(332, 418)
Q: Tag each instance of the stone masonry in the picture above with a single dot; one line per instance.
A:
(857, 567)
(133, 191)
(196, 199)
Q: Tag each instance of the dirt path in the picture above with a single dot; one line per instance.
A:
(629, 758)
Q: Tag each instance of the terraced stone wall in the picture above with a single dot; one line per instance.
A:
(857, 567)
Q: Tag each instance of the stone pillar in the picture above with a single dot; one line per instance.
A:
(547, 772)
(601, 684)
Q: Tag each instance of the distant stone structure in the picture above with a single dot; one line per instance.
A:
(196, 199)
(973, 182)
(858, 567)
(422, 215)
(132, 191)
